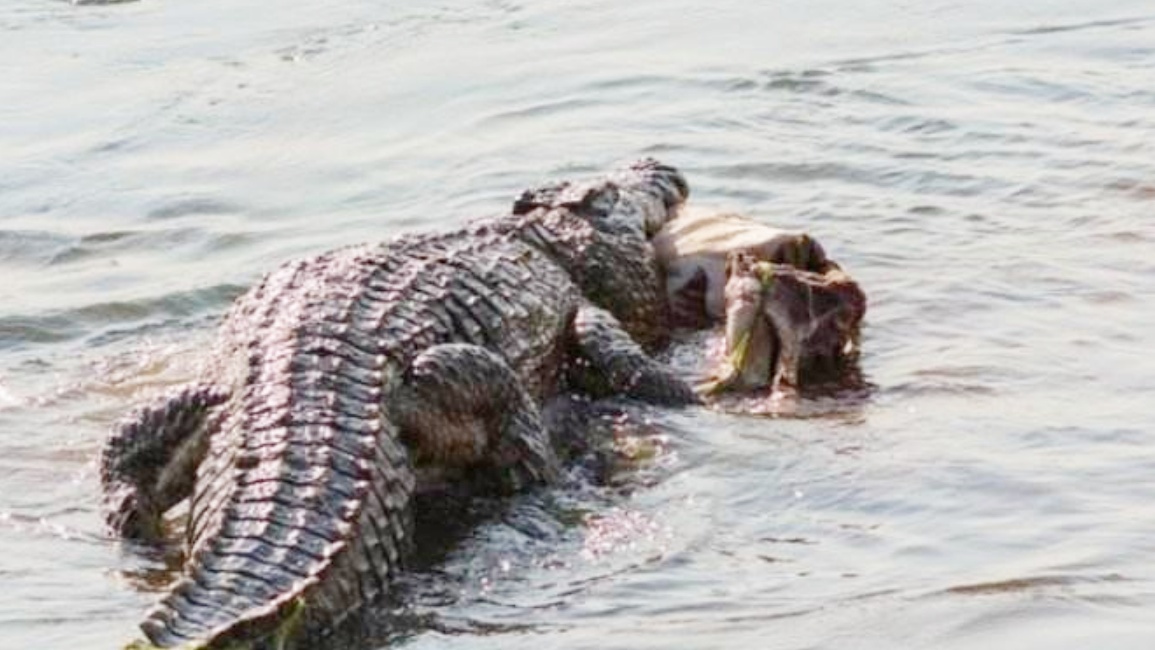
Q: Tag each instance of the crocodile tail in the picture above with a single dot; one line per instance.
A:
(312, 526)
(150, 457)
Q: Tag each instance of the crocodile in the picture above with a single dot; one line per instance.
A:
(339, 380)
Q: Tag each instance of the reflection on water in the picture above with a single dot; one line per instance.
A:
(985, 170)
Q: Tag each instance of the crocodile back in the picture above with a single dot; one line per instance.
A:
(303, 498)
(600, 232)
(301, 506)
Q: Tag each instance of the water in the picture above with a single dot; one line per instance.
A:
(985, 170)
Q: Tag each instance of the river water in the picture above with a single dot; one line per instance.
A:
(985, 169)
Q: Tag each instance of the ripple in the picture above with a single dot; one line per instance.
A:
(110, 244)
(950, 388)
(809, 82)
(192, 206)
(1029, 584)
(1083, 26)
(32, 245)
(914, 124)
(543, 109)
(101, 322)
(825, 84)
(793, 172)
(42, 527)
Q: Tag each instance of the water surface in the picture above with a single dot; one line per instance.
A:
(985, 170)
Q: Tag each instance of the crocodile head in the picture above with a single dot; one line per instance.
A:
(783, 322)
(640, 198)
(600, 232)
(650, 195)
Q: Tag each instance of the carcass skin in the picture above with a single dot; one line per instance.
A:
(784, 322)
(787, 308)
(692, 249)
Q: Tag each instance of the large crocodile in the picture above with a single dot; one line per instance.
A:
(338, 375)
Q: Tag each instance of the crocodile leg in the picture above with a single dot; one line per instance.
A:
(462, 405)
(149, 463)
(616, 364)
